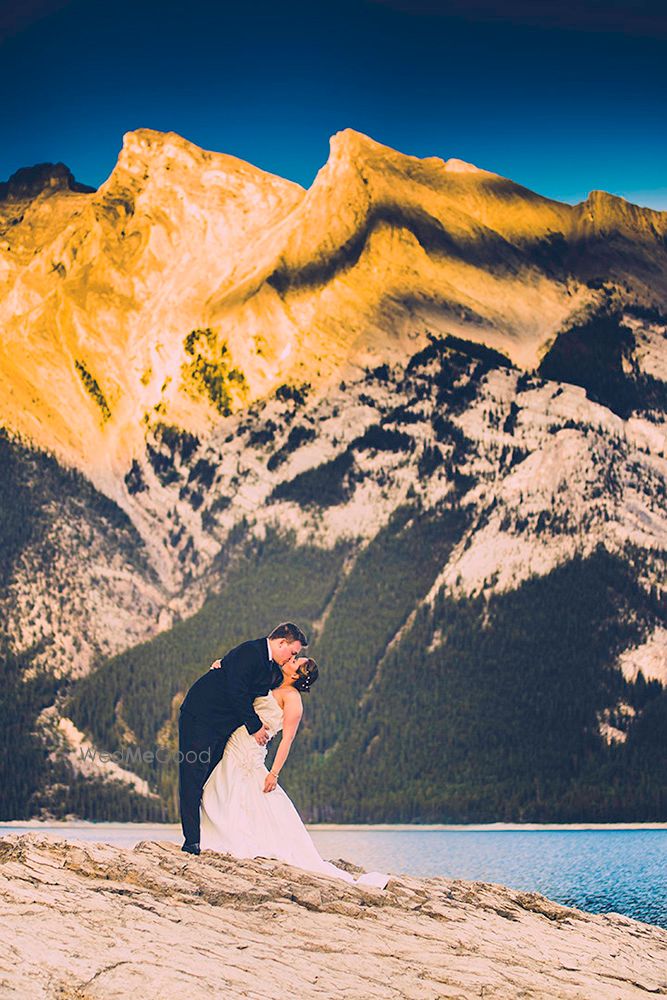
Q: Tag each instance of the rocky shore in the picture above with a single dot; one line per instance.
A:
(94, 922)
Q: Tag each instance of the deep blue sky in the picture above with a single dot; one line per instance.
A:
(563, 97)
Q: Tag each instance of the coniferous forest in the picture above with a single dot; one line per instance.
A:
(485, 710)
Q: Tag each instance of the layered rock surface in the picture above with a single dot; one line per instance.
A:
(84, 921)
(100, 290)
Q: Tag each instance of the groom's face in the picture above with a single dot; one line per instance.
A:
(285, 650)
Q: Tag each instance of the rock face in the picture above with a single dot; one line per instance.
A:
(100, 290)
(94, 922)
(29, 182)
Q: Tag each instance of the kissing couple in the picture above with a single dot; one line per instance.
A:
(229, 801)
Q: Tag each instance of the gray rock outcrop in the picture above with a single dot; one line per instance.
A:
(95, 922)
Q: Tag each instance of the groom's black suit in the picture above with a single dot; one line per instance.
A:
(217, 704)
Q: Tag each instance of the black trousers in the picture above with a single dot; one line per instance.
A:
(201, 747)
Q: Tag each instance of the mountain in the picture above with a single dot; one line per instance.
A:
(480, 557)
(29, 182)
(418, 408)
(101, 291)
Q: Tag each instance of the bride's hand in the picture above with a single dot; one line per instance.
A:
(215, 665)
(270, 782)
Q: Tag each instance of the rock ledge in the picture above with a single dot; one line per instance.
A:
(83, 921)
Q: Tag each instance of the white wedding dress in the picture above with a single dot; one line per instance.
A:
(238, 817)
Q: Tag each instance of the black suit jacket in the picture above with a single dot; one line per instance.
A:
(223, 698)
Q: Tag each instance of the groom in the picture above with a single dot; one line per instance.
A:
(217, 704)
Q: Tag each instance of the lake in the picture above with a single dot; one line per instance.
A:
(600, 870)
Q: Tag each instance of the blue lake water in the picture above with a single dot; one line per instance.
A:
(624, 871)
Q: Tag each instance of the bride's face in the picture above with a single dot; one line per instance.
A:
(291, 668)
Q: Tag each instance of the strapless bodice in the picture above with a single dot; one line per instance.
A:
(269, 712)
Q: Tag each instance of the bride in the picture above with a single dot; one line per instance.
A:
(244, 812)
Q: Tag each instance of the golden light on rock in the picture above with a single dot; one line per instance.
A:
(103, 293)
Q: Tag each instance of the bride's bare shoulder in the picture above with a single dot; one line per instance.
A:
(287, 695)
(290, 698)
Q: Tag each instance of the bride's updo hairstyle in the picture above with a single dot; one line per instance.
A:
(308, 674)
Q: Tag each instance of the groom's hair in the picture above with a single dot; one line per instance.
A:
(289, 631)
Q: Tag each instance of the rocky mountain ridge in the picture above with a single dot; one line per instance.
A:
(101, 291)
(28, 183)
